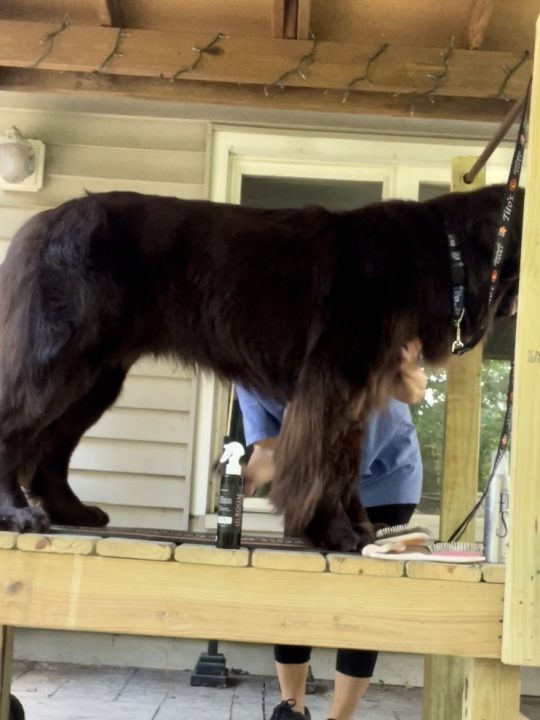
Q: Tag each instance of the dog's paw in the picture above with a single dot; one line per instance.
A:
(338, 536)
(79, 515)
(26, 519)
(366, 533)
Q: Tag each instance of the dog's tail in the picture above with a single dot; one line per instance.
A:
(30, 336)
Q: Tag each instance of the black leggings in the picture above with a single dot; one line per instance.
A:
(355, 663)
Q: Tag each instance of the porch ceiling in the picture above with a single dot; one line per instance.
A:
(463, 59)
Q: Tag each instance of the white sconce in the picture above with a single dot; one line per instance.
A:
(21, 162)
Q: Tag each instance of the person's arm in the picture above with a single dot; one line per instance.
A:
(410, 385)
(262, 422)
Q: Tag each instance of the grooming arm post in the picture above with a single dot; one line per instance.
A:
(443, 675)
(521, 630)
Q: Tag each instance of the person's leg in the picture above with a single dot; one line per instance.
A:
(354, 668)
(348, 691)
(292, 665)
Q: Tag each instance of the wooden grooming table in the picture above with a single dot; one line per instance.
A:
(160, 588)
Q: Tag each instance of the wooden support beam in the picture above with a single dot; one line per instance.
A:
(479, 18)
(291, 19)
(491, 690)
(252, 96)
(259, 61)
(303, 24)
(521, 631)
(277, 19)
(103, 12)
(172, 599)
(284, 14)
(460, 485)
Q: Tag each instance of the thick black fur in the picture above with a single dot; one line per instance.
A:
(308, 306)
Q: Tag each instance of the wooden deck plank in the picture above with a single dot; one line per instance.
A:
(91, 593)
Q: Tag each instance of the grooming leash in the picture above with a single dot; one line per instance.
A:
(458, 347)
(457, 265)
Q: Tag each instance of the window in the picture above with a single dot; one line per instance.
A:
(269, 192)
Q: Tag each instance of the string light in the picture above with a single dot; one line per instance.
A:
(114, 52)
(306, 59)
(437, 79)
(210, 49)
(509, 71)
(49, 39)
(365, 76)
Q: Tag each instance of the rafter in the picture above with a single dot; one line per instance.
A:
(479, 18)
(258, 61)
(284, 18)
(303, 23)
(108, 13)
(251, 96)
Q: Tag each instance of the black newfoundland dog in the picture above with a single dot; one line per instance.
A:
(308, 306)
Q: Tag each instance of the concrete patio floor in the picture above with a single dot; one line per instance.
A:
(76, 692)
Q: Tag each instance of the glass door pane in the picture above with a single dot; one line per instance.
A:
(285, 192)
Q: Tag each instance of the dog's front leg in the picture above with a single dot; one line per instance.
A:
(317, 461)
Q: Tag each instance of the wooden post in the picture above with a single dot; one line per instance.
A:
(521, 633)
(6, 658)
(443, 675)
(491, 690)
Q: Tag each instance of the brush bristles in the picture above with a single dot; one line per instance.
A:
(457, 546)
(399, 530)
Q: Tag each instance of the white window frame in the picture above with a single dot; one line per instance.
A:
(401, 164)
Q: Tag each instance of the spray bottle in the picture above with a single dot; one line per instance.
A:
(496, 514)
(231, 497)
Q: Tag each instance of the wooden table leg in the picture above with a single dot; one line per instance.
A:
(443, 687)
(491, 690)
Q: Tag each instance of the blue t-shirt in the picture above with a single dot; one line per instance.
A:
(391, 465)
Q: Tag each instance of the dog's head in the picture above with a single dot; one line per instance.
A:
(475, 218)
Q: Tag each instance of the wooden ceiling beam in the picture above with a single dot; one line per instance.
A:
(291, 19)
(478, 23)
(274, 63)
(303, 23)
(284, 15)
(250, 96)
(108, 13)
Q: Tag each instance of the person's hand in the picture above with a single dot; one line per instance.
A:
(410, 385)
(260, 468)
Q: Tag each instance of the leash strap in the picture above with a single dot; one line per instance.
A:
(498, 256)
(457, 272)
(501, 240)
(501, 449)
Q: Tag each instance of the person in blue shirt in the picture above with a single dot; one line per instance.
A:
(390, 483)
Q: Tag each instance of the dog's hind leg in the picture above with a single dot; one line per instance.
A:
(15, 513)
(49, 484)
